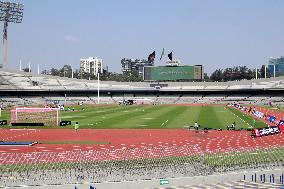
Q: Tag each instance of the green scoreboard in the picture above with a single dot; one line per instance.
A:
(173, 73)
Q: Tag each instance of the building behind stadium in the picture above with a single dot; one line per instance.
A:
(276, 66)
(134, 65)
(92, 65)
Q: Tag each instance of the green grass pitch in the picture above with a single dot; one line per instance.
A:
(151, 117)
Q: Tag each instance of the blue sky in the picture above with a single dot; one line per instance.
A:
(214, 33)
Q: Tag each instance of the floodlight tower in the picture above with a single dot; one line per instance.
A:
(9, 12)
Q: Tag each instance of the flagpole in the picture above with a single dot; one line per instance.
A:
(161, 57)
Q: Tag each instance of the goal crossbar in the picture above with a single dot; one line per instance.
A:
(49, 116)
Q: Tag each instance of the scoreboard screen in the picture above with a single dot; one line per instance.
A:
(173, 73)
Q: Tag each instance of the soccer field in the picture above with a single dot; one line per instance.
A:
(158, 117)
(119, 117)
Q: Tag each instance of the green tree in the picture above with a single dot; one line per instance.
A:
(45, 72)
(217, 75)
(54, 72)
(27, 70)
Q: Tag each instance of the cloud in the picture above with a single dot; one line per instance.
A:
(71, 38)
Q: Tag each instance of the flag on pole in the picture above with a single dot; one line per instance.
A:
(170, 56)
(151, 57)
(163, 52)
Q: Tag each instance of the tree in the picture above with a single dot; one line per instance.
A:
(217, 75)
(232, 74)
(27, 70)
(54, 72)
(76, 74)
(66, 71)
(206, 77)
(262, 72)
(243, 72)
(45, 72)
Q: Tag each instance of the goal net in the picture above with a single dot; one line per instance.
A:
(47, 116)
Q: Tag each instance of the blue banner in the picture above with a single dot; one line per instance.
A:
(272, 119)
(258, 114)
(281, 122)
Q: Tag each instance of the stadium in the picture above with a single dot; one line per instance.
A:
(140, 134)
(158, 124)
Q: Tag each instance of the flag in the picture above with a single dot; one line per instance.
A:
(151, 57)
(76, 187)
(163, 52)
(281, 122)
(170, 55)
(272, 119)
(92, 187)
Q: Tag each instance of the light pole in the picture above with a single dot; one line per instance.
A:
(98, 87)
(9, 12)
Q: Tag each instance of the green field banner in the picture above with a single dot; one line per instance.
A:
(172, 73)
(164, 181)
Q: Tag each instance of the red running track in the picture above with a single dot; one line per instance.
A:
(132, 138)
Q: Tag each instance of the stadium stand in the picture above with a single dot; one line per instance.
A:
(16, 87)
(23, 80)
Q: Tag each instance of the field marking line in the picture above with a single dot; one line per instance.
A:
(164, 123)
(73, 116)
(238, 117)
(140, 125)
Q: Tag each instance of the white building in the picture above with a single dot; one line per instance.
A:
(92, 65)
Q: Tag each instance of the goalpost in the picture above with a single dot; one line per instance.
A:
(48, 116)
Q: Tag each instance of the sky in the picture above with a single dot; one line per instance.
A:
(216, 34)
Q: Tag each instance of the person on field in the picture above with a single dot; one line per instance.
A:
(234, 126)
(76, 127)
(196, 126)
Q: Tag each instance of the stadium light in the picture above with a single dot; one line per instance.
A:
(9, 12)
